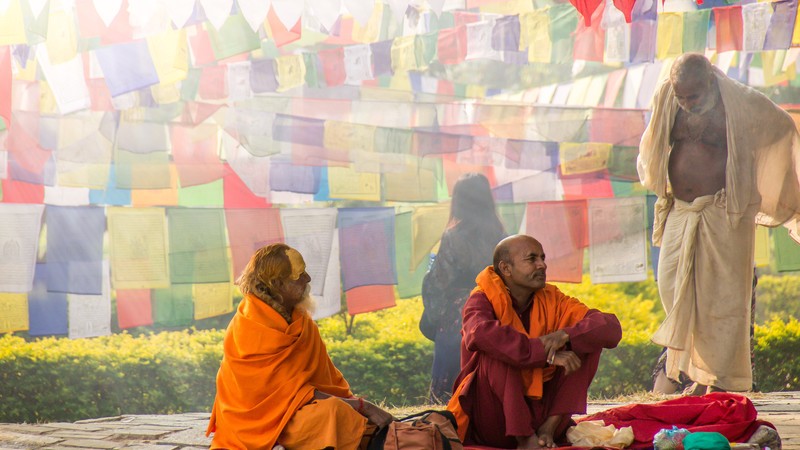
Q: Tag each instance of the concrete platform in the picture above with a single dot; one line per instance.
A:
(187, 431)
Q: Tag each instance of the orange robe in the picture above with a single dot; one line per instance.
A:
(500, 360)
(269, 371)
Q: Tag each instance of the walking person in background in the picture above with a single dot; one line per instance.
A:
(466, 248)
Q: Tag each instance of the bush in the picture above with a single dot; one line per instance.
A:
(776, 347)
(776, 297)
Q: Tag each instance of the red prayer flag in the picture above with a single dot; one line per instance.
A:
(236, 194)
(213, 84)
(195, 155)
(21, 192)
(564, 248)
(451, 45)
(333, 66)
(590, 37)
(249, 230)
(91, 25)
(587, 8)
(617, 126)
(594, 185)
(280, 34)
(5, 84)
(626, 6)
(730, 28)
(134, 308)
(202, 52)
(370, 298)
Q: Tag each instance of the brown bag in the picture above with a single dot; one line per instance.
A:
(428, 430)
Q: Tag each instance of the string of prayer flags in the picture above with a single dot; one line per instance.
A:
(617, 242)
(366, 236)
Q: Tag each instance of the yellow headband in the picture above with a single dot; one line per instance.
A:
(296, 260)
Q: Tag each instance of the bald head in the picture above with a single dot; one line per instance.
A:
(690, 67)
(504, 249)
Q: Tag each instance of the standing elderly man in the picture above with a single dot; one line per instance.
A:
(721, 157)
(528, 353)
(276, 384)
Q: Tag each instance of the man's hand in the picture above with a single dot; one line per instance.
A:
(554, 342)
(568, 360)
(376, 415)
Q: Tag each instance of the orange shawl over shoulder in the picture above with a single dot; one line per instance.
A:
(269, 370)
(551, 311)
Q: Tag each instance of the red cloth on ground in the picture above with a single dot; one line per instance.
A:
(734, 416)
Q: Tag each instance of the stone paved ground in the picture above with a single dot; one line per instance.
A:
(187, 431)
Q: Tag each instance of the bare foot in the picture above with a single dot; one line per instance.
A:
(547, 430)
(529, 442)
(695, 389)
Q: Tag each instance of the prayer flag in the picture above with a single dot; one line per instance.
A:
(428, 224)
(75, 249)
(134, 308)
(535, 35)
(756, 19)
(285, 176)
(669, 42)
(587, 9)
(19, 239)
(506, 33)
(581, 158)
(787, 251)
(643, 40)
(5, 85)
(452, 45)
(695, 30)
(111, 195)
(127, 67)
(138, 247)
(310, 232)
(195, 151)
(348, 184)
(202, 195)
(617, 242)
(330, 302)
(173, 306)
(730, 28)
(249, 230)
(13, 312)
(590, 36)
(333, 66)
(564, 248)
(781, 26)
(762, 250)
(262, 76)
(291, 71)
(369, 298)
(236, 194)
(197, 246)
(90, 315)
(409, 277)
(366, 236)
(616, 126)
(47, 310)
(212, 299)
(234, 37)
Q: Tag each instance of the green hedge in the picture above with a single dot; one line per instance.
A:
(384, 358)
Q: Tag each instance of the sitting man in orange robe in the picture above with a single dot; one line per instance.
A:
(528, 353)
(276, 384)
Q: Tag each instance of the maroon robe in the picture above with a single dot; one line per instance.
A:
(495, 400)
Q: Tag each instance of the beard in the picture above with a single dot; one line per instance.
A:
(308, 303)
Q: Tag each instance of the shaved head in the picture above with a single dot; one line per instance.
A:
(690, 67)
(504, 249)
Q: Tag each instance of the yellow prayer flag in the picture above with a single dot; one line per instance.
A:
(371, 31)
(399, 83)
(428, 224)
(212, 299)
(535, 35)
(47, 100)
(138, 238)
(577, 158)
(772, 62)
(346, 183)
(475, 91)
(13, 312)
(170, 55)
(795, 34)
(762, 246)
(348, 136)
(669, 41)
(12, 25)
(165, 93)
(404, 57)
(291, 71)
(416, 183)
(62, 41)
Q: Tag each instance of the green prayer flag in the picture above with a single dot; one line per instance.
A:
(141, 170)
(511, 216)
(787, 251)
(624, 188)
(622, 163)
(312, 76)
(695, 30)
(173, 307)
(190, 85)
(202, 195)
(234, 37)
(393, 140)
(425, 46)
(563, 22)
(198, 249)
(409, 283)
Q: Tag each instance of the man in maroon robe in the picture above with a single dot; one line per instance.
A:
(528, 353)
